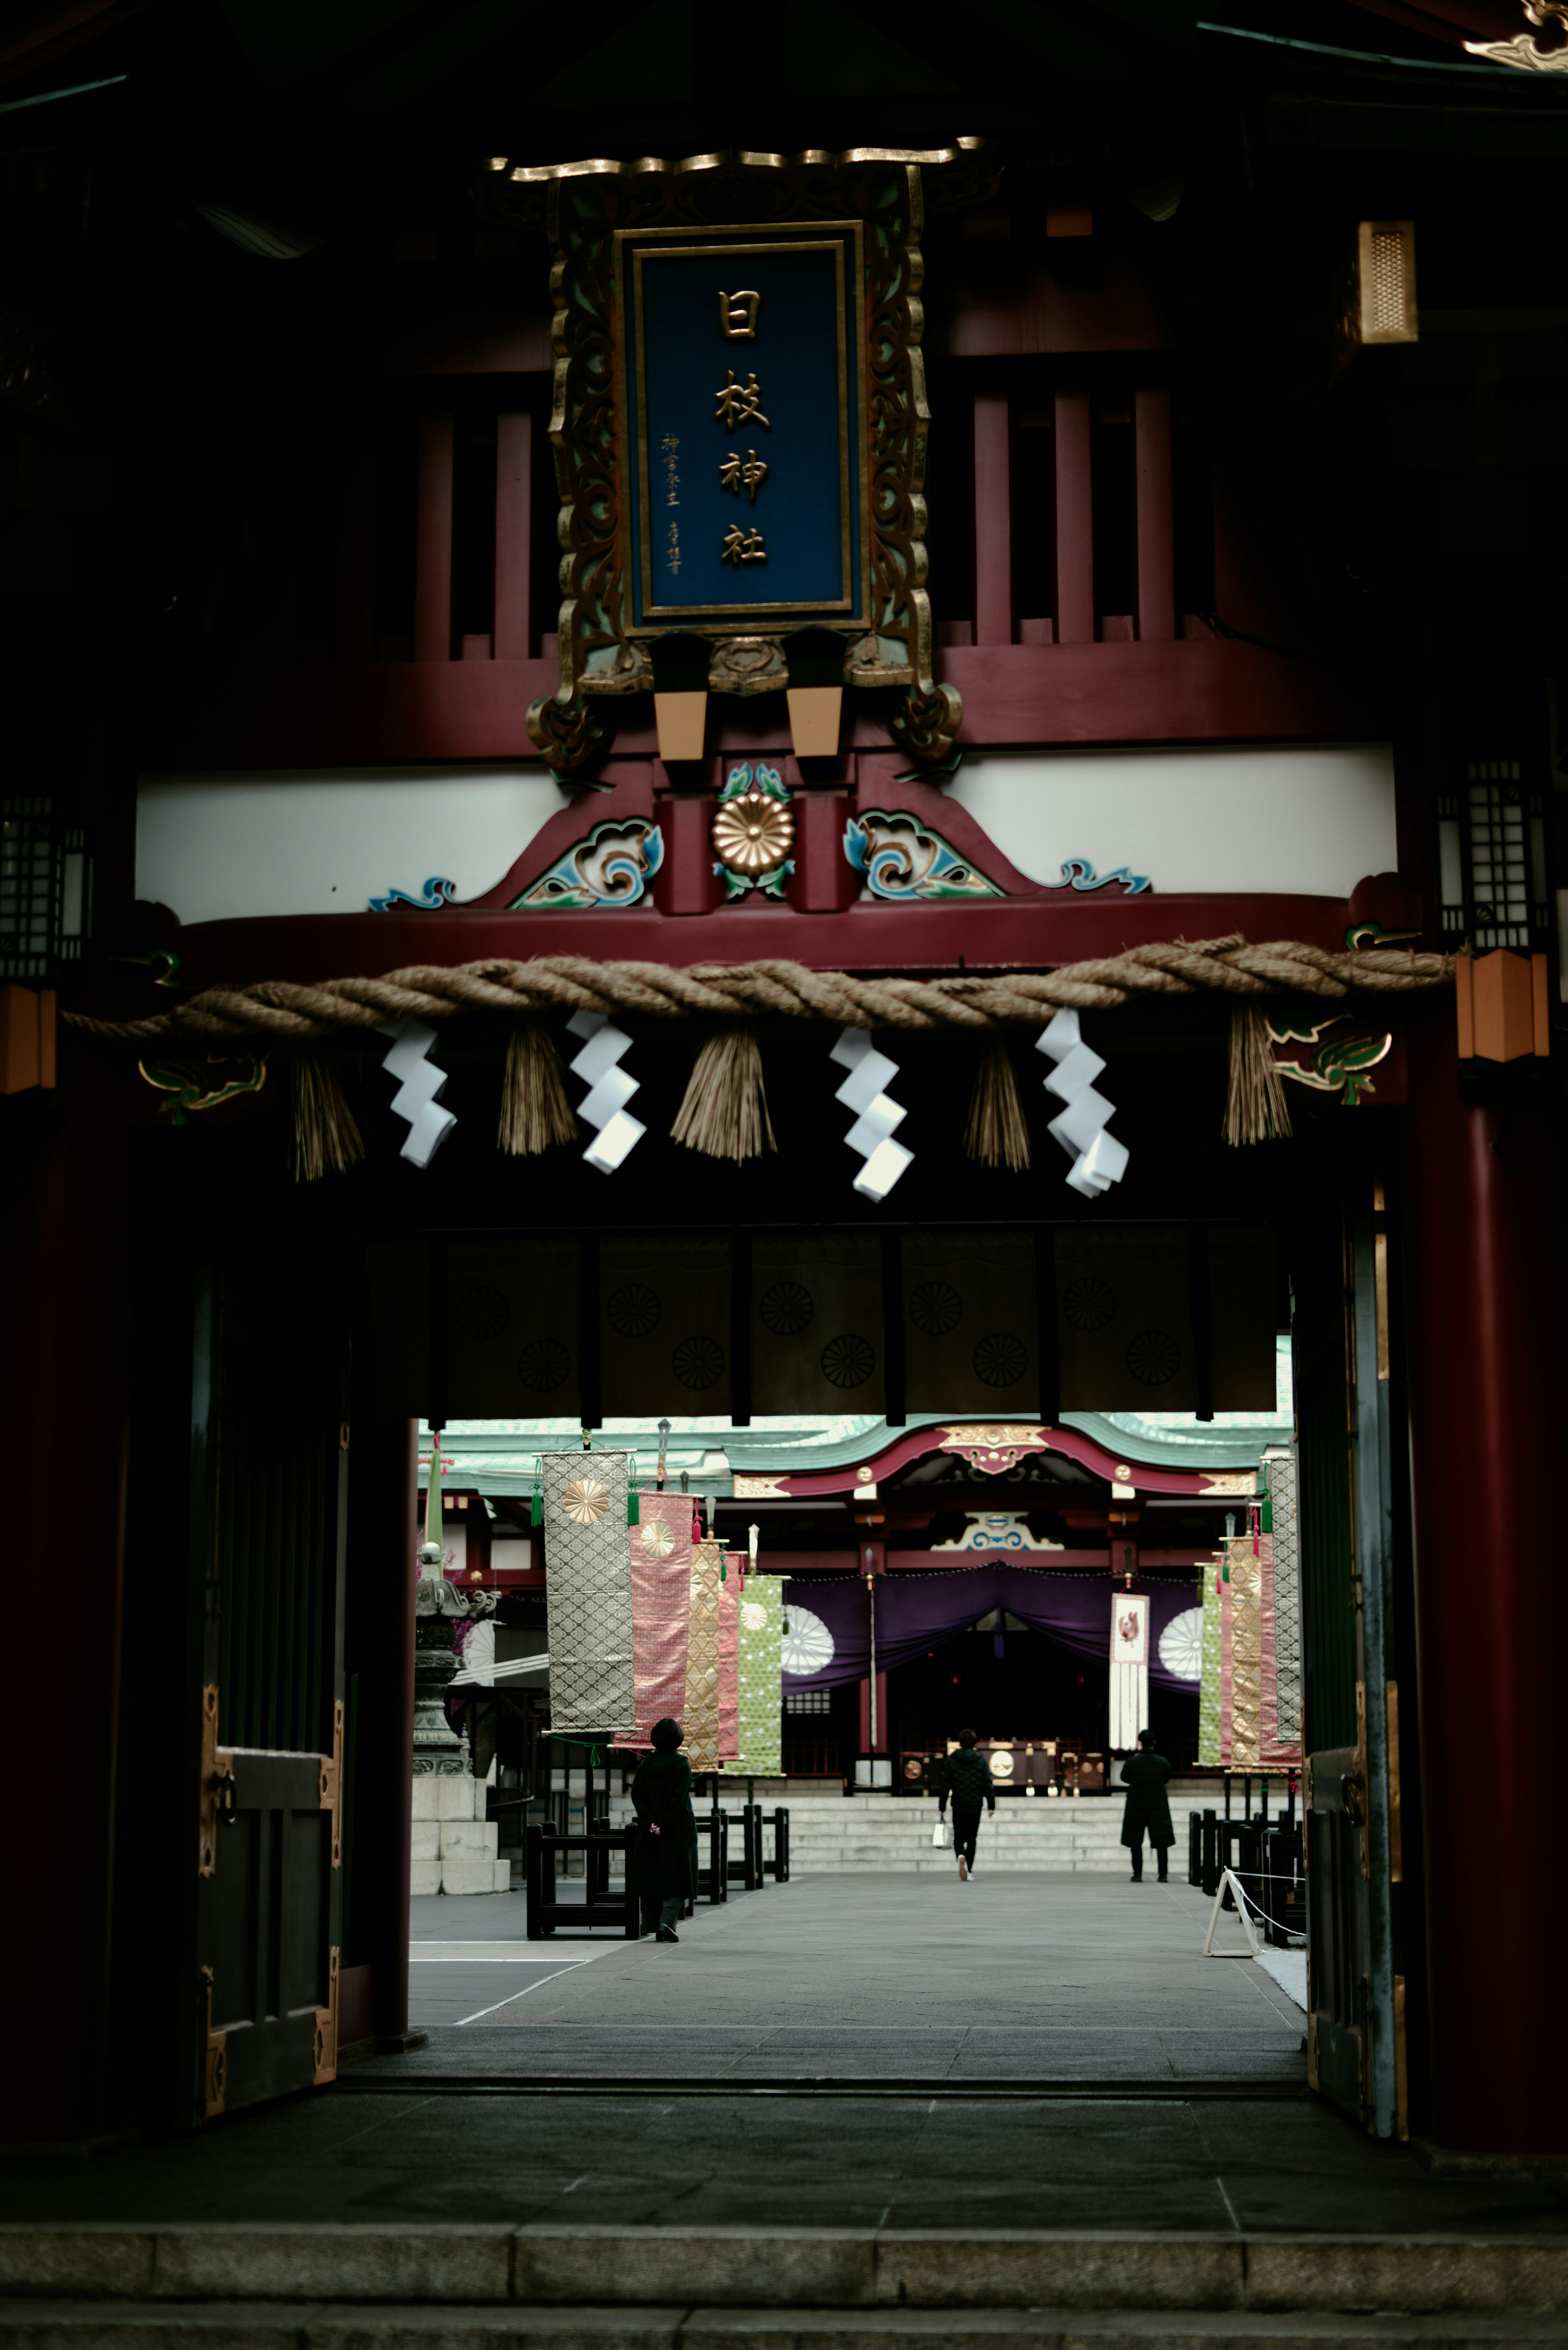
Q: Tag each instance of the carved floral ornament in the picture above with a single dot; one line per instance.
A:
(1524, 51)
(902, 859)
(993, 1446)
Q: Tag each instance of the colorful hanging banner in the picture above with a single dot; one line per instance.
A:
(761, 1678)
(588, 1592)
(1130, 1666)
(727, 1745)
(704, 1658)
(660, 1611)
(1210, 1692)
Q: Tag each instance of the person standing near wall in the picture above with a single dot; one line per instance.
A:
(1145, 1776)
(968, 1786)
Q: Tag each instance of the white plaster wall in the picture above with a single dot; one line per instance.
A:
(1310, 821)
(216, 846)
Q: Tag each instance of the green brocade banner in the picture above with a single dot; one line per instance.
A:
(762, 1685)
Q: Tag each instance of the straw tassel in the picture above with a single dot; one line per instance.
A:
(998, 1132)
(535, 1110)
(1255, 1108)
(725, 1110)
(326, 1140)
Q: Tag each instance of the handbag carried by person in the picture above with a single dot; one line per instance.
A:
(939, 1836)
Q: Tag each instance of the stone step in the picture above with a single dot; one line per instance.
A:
(105, 2283)
(313, 2326)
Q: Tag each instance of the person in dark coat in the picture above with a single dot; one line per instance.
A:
(968, 1784)
(1144, 1776)
(663, 1859)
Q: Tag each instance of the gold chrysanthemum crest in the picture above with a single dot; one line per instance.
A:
(586, 1501)
(754, 831)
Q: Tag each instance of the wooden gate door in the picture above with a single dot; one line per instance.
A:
(269, 1518)
(1355, 2029)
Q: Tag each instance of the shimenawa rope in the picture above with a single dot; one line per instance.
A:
(286, 1011)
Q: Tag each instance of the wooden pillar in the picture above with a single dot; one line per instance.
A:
(1074, 522)
(992, 521)
(513, 526)
(69, 1266)
(432, 542)
(1156, 543)
(1484, 1283)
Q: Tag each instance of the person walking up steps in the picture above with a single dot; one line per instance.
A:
(969, 1783)
(1144, 1776)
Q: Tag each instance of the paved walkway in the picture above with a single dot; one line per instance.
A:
(1080, 1980)
(1008, 1978)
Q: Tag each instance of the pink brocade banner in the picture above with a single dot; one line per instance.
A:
(660, 1611)
(727, 1746)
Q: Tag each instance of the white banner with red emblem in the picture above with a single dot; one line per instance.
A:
(1130, 1666)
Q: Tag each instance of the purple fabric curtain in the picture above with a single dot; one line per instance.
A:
(915, 1611)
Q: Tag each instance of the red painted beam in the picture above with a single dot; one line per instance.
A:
(360, 714)
(1116, 314)
(1012, 934)
(1206, 691)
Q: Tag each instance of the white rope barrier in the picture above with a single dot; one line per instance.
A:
(1244, 1903)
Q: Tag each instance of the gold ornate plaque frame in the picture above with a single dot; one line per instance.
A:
(601, 652)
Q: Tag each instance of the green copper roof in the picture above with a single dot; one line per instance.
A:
(498, 1454)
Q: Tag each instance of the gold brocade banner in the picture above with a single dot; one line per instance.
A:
(1246, 1653)
(704, 1657)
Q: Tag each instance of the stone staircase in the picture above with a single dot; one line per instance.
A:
(1067, 1834)
(452, 2285)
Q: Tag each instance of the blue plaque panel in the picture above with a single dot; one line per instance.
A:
(743, 403)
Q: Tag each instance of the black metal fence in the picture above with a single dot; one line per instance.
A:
(600, 1905)
(1265, 1855)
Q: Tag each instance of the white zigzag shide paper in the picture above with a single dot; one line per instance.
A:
(864, 1091)
(420, 1081)
(1098, 1158)
(609, 1089)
